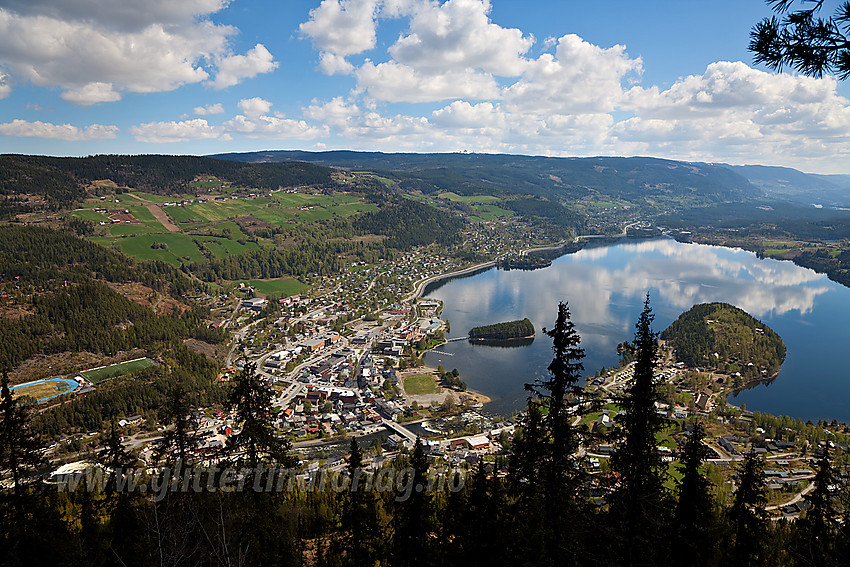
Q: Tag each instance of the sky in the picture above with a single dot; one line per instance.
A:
(663, 78)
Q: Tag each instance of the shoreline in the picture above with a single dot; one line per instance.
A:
(420, 286)
(481, 339)
(424, 398)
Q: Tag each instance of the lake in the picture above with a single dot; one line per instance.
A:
(605, 287)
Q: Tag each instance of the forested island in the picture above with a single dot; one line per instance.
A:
(519, 329)
(721, 337)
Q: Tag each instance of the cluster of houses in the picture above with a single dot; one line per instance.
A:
(394, 342)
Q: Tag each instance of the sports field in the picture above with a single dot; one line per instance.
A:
(107, 372)
(43, 390)
(417, 384)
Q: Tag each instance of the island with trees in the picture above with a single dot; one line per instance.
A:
(520, 329)
(724, 338)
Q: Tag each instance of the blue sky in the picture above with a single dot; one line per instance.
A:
(545, 77)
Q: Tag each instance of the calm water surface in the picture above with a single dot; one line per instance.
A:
(605, 287)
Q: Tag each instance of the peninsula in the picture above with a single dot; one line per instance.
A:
(723, 338)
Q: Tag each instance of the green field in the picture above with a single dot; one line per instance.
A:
(417, 384)
(283, 287)
(184, 214)
(159, 199)
(179, 247)
(490, 212)
(90, 215)
(127, 229)
(468, 199)
(221, 247)
(105, 373)
(202, 223)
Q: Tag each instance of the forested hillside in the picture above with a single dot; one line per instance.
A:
(40, 256)
(62, 181)
(719, 336)
(56, 298)
(407, 223)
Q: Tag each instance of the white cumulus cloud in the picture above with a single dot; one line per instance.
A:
(215, 108)
(458, 35)
(5, 87)
(274, 127)
(120, 14)
(254, 106)
(91, 93)
(342, 27)
(85, 46)
(68, 132)
(579, 78)
(233, 68)
(183, 131)
(394, 82)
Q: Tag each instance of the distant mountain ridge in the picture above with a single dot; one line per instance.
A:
(794, 185)
(551, 177)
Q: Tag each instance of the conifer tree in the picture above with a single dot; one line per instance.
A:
(18, 444)
(696, 508)
(562, 473)
(413, 522)
(114, 457)
(818, 528)
(19, 455)
(526, 467)
(362, 517)
(638, 502)
(747, 514)
(181, 438)
(252, 400)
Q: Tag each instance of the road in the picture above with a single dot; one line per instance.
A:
(290, 393)
(421, 284)
(797, 497)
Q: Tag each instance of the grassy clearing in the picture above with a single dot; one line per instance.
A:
(489, 212)
(283, 287)
(184, 214)
(417, 384)
(386, 182)
(468, 199)
(221, 247)
(120, 369)
(90, 215)
(127, 229)
(180, 246)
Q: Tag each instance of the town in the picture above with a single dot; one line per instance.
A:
(339, 362)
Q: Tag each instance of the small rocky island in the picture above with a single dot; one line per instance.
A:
(722, 338)
(520, 329)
